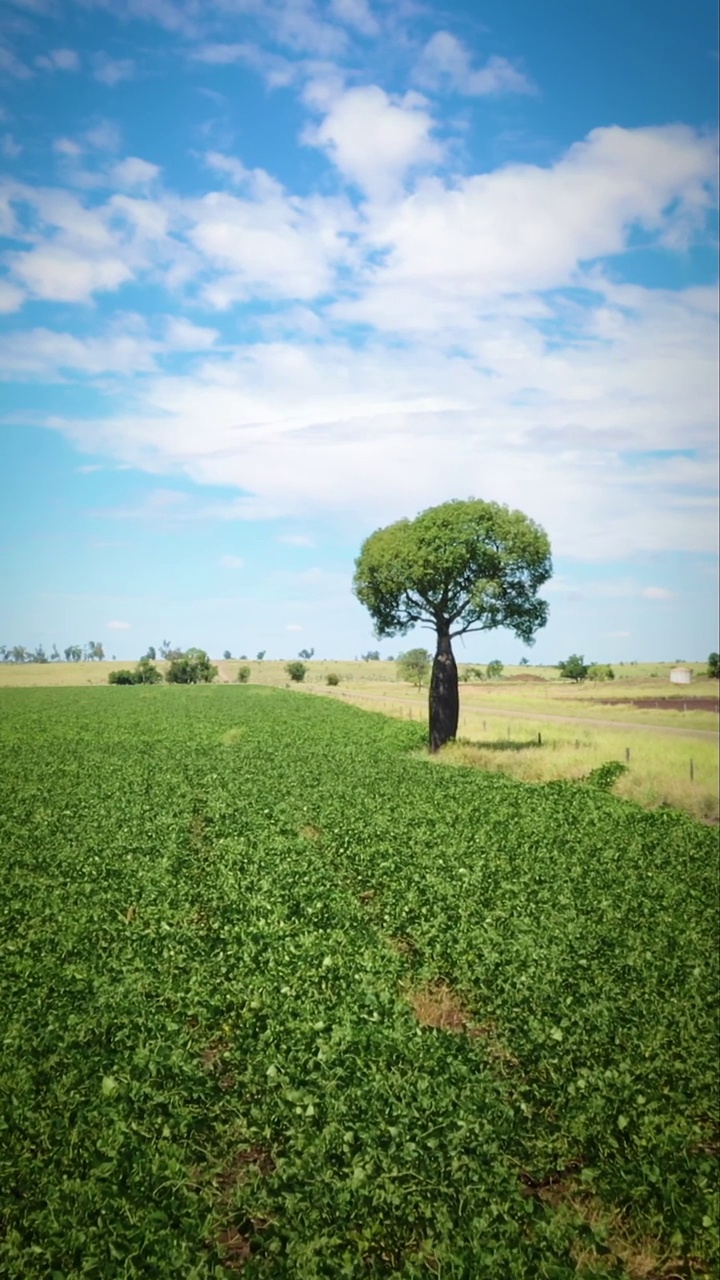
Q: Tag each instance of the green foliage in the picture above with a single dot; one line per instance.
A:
(227, 655)
(332, 678)
(372, 655)
(296, 671)
(212, 906)
(474, 673)
(414, 666)
(573, 668)
(306, 653)
(261, 655)
(145, 673)
(192, 667)
(495, 669)
(476, 564)
(599, 671)
(123, 676)
(607, 774)
(713, 666)
(243, 675)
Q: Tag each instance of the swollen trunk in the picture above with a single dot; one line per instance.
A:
(444, 700)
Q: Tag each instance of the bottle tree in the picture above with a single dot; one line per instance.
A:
(460, 567)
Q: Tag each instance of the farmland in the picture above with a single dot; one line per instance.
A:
(281, 998)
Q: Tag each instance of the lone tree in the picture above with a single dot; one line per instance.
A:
(460, 567)
(574, 668)
(414, 666)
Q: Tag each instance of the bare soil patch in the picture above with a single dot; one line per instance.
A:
(666, 704)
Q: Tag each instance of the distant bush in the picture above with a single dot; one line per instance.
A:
(598, 671)
(495, 669)
(573, 668)
(144, 673)
(332, 678)
(192, 667)
(474, 673)
(243, 675)
(713, 666)
(296, 671)
(414, 666)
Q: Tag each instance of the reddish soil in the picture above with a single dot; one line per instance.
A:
(666, 704)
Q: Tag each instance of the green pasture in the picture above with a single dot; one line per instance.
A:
(281, 998)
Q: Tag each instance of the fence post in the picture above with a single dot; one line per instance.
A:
(627, 755)
(692, 771)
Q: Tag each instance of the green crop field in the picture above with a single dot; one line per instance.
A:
(280, 999)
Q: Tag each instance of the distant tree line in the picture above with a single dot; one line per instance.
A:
(93, 651)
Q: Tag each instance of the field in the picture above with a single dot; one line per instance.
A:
(671, 750)
(281, 998)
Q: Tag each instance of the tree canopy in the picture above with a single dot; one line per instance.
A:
(467, 565)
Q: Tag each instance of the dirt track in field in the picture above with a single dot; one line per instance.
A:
(480, 709)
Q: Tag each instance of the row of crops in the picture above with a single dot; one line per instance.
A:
(279, 998)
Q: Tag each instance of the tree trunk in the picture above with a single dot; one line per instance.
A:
(444, 698)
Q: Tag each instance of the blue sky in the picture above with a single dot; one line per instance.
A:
(274, 273)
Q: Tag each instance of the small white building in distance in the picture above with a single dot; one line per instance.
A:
(680, 675)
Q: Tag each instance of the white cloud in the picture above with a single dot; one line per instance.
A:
(356, 14)
(66, 147)
(445, 63)
(104, 136)
(293, 626)
(112, 71)
(296, 539)
(374, 141)
(657, 593)
(11, 297)
(9, 147)
(61, 274)
(183, 335)
(59, 60)
(267, 244)
(11, 65)
(450, 249)
(46, 353)
(118, 626)
(231, 562)
(134, 172)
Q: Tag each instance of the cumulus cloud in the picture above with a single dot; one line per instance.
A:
(59, 60)
(112, 71)
(657, 593)
(134, 172)
(446, 63)
(118, 626)
(356, 14)
(374, 140)
(496, 355)
(293, 626)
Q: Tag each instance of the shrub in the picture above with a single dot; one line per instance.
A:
(243, 675)
(713, 666)
(296, 671)
(122, 677)
(606, 775)
(597, 671)
(146, 673)
(332, 678)
(495, 669)
(192, 667)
